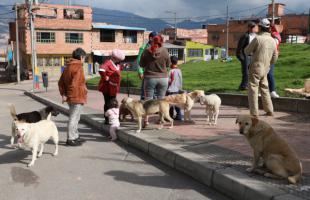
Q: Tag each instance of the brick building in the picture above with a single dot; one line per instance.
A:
(59, 29)
(194, 35)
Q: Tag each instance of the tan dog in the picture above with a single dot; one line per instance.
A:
(185, 101)
(278, 157)
(123, 112)
(212, 103)
(142, 109)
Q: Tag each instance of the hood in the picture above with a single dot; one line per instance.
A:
(74, 64)
(158, 52)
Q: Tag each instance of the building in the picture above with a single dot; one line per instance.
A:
(106, 37)
(295, 25)
(198, 51)
(176, 50)
(195, 35)
(59, 29)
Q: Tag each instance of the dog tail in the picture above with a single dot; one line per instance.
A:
(49, 116)
(13, 111)
(295, 178)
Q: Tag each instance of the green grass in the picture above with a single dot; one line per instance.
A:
(292, 68)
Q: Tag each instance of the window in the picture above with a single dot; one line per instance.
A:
(77, 14)
(56, 61)
(173, 52)
(74, 37)
(45, 37)
(49, 62)
(195, 52)
(107, 35)
(130, 36)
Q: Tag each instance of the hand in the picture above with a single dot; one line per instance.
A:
(64, 99)
(107, 78)
(141, 76)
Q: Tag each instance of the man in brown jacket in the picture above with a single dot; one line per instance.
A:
(72, 88)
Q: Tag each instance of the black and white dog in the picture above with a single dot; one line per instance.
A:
(29, 117)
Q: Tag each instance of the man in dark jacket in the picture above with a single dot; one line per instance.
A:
(245, 60)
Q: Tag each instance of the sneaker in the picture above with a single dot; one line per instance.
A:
(274, 94)
(73, 143)
(269, 114)
(242, 88)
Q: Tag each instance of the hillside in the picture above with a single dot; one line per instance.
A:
(291, 69)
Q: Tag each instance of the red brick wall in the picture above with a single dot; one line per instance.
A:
(295, 24)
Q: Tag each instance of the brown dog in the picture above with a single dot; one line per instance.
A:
(123, 112)
(278, 157)
(185, 100)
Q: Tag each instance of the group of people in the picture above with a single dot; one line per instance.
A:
(257, 51)
(157, 82)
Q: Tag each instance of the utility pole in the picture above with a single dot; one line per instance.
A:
(175, 23)
(227, 30)
(33, 43)
(273, 11)
(17, 45)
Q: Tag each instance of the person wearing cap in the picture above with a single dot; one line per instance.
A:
(264, 53)
(245, 60)
(140, 69)
(110, 72)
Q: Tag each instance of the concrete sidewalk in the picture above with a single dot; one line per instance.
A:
(216, 156)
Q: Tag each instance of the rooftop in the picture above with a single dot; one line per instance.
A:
(116, 27)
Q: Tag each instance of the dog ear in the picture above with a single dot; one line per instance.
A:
(254, 121)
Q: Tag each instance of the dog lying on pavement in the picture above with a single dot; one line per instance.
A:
(29, 117)
(212, 103)
(185, 101)
(34, 134)
(278, 157)
(142, 109)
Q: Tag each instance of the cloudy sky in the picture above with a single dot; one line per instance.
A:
(185, 8)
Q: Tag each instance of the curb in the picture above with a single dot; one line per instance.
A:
(282, 104)
(226, 180)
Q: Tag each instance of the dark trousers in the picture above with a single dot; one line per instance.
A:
(245, 72)
(142, 90)
(271, 80)
(176, 108)
(107, 101)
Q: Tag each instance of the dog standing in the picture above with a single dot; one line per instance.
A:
(29, 117)
(123, 112)
(185, 101)
(212, 103)
(142, 109)
(278, 157)
(34, 134)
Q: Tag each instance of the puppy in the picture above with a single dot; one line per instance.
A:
(278, 157)
(185, 101)
(123, 112)
(29, 117)
(34, 134)
(142, 109)
(212, 103)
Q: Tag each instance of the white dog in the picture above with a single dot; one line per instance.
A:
(212, 103)
(34, 134)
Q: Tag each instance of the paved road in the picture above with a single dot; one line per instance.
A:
(98, 170)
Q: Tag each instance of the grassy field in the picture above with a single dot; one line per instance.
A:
(291, 69)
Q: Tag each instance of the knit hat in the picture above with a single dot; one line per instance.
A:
(118, 54)
(264, 23)
(156, 43)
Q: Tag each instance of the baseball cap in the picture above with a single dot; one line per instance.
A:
(251, 24)
(264, 23)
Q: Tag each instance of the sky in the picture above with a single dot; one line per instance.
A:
(195, 9)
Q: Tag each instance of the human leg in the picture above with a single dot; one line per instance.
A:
(265, 95)
(253, 93)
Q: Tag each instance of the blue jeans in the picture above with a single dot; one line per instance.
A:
(245, 72)
(271, 80)
(142, 97)
(156, 86)
(176, 108)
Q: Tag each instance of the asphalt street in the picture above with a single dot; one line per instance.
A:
(99, 169)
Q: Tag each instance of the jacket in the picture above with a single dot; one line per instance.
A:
(72, 82)
(141, 50)
(243, 42)
(264, 53)
(175, 80)
(113, 73)
(155, 65)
